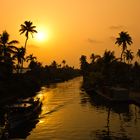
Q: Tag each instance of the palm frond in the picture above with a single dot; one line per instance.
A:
(13, 42)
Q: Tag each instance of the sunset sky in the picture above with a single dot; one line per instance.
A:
(71, 27)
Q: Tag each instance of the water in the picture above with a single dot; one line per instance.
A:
(68, 113)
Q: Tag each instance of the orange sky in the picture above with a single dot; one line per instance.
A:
(74, 27)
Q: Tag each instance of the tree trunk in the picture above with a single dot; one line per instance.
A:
(122, 54)
(25, 52)
(25, 43)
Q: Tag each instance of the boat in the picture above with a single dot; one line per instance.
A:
(114, 94)
(23, 111)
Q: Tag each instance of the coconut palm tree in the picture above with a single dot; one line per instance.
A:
(64, 62)
(84, 64)
(7, 47)
(108, 57)
(94, 57)
(30, 58)
(128, 55)
(27, 28)
(138, 53)
(19, 55)
(54, 64)
(123, 40)
(83, 59)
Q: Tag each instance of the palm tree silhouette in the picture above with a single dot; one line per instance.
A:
(63, 62)
(54, 64)
(19, 55)
(27, 28)
(30, 58)
(93, 57)
(83, 64)
(7, 47)
(128, 54)
(123, 40)
(108, 57)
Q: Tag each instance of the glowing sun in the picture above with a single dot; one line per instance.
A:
(41, 36)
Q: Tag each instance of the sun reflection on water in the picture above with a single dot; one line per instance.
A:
(67, 113)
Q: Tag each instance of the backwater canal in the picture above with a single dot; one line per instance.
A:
(69, 113)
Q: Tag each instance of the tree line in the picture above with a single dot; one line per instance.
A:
(13, 77)
(12, 57)
(109, 70)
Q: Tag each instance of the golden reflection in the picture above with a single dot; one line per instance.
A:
(40, 96)
(45, 99)
(41, 121)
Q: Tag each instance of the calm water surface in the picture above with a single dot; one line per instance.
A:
(68, 113)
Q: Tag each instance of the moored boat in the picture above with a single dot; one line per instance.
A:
(22, 111)
(115, 94)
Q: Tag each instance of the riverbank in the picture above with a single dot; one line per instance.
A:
(116, 95)
(28, 84)
(18, 87)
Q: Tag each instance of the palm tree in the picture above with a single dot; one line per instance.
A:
(19, 55)
(93, 57)
(84, 64)
(138, 53)
(108, 57)
(123, 40)
(30, 58)
(54, 64)
(128, 54)
(27, 28)
(64, 62)
(35, 66)
(83, 59)
(6, 47)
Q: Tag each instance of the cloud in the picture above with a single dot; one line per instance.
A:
(90, 40)
(119, 27)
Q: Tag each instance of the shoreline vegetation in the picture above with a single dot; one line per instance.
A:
(14, 82)
(103, 72)
(109, 72)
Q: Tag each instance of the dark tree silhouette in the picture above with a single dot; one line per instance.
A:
(27, 28)
(128, 55)
(7, 50)
(54, 65)
(123, 40)
(6, 47)
(83, 64)
(19, 55)
(30, 58)
(83, 60)
(63, 62)
(93, 57)
(108, 57)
